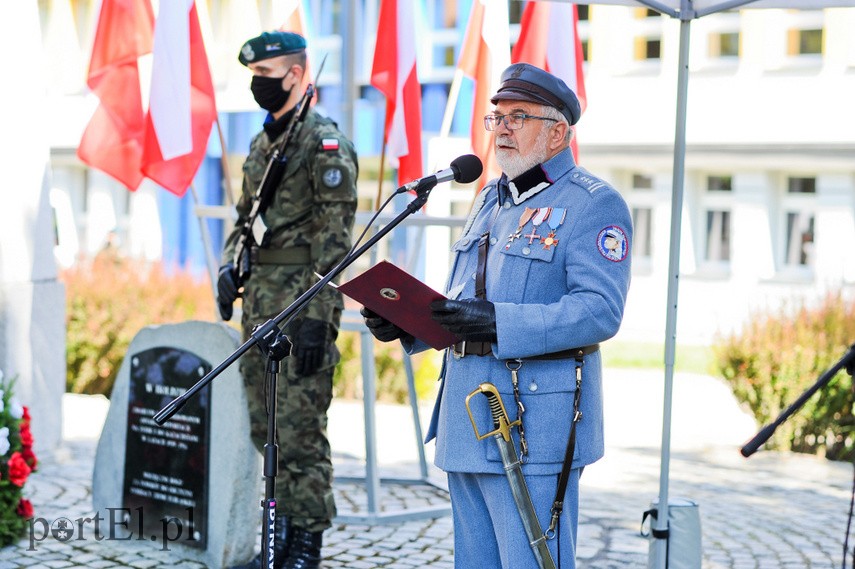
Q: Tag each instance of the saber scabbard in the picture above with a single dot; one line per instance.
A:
(501, 433)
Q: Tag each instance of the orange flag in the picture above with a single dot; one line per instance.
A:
(113, 139)
(549, 41)
(485, 54)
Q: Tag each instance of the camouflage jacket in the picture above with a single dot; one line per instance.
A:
(313, 208)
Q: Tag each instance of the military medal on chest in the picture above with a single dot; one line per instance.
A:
(524, 219)
(556, 218)
(538, 218)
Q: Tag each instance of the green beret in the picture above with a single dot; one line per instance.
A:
(271, 44)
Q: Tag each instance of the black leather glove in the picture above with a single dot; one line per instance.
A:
(381, 328)
(472, 319)
(227, 290)
(310, 346)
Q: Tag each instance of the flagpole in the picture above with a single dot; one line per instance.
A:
(379, 197)
(206, 241)
(227, 177)
(451, 104)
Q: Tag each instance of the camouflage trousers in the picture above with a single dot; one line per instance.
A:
(304, 477)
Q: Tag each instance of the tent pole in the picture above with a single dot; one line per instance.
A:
(661, 521)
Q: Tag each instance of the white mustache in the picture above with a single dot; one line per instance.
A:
(505, 142)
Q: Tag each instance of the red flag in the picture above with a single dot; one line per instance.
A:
(394, 75)
(484, 56)
(113, 139)
(181, 108)
(545, 42)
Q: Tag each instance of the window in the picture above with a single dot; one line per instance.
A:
(641, 232)
(719, 183)
(642, 182)
(801, 185)
(716, 205)
(804, 42)
(799, 246)
(805, 37)
(724, 45)
(647, 37)
(647, 48)
(642, 200)
(717, 236)
(798, 208)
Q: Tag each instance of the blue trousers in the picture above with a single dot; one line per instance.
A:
(488, 531)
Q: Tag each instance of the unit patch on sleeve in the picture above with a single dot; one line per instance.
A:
(612, 243)
(332, 177)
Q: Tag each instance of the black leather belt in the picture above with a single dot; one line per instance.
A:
(461, 349)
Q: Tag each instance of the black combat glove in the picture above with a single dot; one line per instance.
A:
(227, 290)
(472, 319)
(310, 346)
(381, 328)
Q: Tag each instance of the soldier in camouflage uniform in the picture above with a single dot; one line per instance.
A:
(309, 223)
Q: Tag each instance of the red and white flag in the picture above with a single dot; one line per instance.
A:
(181, 107)
(484, 56)
(547, 40)
(113, 139)
(394, 75)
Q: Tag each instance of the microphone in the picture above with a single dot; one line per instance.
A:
(463, 169)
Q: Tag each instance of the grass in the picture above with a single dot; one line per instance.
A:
(651, 355)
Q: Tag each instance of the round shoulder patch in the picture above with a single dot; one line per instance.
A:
(332, 177)
(612, 243)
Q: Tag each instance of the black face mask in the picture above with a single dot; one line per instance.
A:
(268, 92)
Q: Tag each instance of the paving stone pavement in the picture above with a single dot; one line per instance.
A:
(774, 510)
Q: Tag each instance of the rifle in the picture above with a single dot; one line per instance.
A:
(267, 188)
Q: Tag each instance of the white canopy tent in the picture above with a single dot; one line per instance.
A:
(686, 11)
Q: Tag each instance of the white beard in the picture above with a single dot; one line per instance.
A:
(513, 163)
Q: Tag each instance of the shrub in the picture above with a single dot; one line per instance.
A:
(391, 381)
(108, 300)
(778, 357)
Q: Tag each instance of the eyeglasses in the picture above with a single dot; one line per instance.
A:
(513, 121)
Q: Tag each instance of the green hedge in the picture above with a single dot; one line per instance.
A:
(108, 300)
(778, 356)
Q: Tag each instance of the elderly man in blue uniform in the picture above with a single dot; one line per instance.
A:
(539, 279)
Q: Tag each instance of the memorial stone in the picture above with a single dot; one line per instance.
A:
(181, 486)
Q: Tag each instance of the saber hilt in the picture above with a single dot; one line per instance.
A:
(501, 423)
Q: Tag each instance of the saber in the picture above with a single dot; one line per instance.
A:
(513, 470)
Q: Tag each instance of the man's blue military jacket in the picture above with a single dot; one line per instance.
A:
(558, 272)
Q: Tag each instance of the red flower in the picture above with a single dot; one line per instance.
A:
(19, 470)
(26, 415)
(26, 435)
(25, 509)
(29, 457)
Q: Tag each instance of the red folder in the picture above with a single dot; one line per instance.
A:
(401, 299)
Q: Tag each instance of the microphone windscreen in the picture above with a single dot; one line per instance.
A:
(467, 168)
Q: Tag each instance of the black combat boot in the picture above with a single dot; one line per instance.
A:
(282, 532)
(305, 549)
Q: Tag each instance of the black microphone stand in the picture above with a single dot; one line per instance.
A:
(276, 346)
(846, 362)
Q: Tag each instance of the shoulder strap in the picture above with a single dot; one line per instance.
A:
(558, 503)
